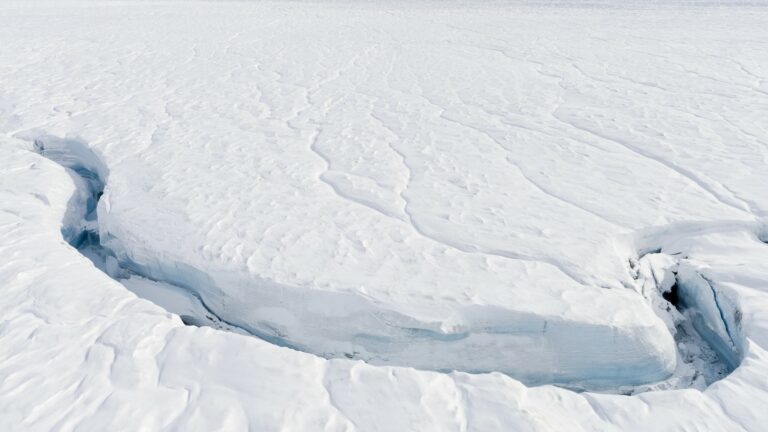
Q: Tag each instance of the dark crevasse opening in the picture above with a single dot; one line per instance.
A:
(671, 296)
(699, 315)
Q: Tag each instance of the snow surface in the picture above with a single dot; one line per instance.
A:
(503, 189)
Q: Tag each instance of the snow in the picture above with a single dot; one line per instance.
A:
(427, 214)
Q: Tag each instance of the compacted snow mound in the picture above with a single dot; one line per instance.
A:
(526, 346)
(701, 360)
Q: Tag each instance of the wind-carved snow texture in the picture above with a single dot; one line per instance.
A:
(471, 166)
(699, 364)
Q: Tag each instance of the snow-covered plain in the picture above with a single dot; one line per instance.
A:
(383, 194)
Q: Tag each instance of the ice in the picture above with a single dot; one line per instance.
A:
(383, 216)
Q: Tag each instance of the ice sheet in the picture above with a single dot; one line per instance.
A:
(431, 186)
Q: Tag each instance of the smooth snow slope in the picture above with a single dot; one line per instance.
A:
(441, 187)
